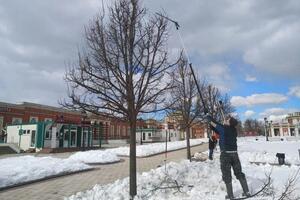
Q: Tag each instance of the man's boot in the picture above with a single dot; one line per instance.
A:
(244, 185)
(229, 191)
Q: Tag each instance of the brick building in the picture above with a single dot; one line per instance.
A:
(109, 128)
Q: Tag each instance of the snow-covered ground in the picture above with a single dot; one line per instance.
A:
(205, 177)
(262, 151)
(155, 148)
(15, 170)
(95, 156)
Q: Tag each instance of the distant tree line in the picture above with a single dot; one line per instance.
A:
(251, 125)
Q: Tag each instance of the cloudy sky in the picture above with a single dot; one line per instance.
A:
(249, 49)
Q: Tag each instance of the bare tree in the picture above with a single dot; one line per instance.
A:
(185, 103)
(213, 97)
(123, 70)
(253, 125)
(289, 191)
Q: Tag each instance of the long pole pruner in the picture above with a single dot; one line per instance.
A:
(190, 64)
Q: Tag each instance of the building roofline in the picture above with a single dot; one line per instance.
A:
(51, 108)
(40, 106)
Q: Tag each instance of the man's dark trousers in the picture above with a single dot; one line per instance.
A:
(229, 160)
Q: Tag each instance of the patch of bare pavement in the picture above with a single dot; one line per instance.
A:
(60, 187)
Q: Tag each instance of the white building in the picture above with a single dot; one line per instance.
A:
(39, 135)
(288, 127)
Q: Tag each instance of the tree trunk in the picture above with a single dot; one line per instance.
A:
(132, 161)
(188, 146)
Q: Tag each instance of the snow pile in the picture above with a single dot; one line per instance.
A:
(155, 148)
(205, 177)
(22, 169)
(95, 156)
(197, 180)
(262, 151)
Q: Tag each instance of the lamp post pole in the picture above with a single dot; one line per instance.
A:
(141, 136)
(270, 126)
(266, 132)
(20, 134)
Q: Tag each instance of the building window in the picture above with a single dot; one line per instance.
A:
(66, 136)
(276, 132)
(47, 135)
(16, 120)
(112, 131)
(32, 144)
(73, 138)
(149, 134)
(28, 131)
(292, 130)
(118, 131)
(124, 131)
(33, 119)
(48, 120)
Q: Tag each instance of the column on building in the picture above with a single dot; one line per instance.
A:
(272, 131)
(297, 130)
(281, 130)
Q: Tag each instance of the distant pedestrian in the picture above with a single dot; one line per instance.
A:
(212, 143)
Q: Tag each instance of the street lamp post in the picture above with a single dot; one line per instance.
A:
(266, 132)
(20, 135)
(270, 126)
(141, 136)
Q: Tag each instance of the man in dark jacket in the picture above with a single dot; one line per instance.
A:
(229, 156)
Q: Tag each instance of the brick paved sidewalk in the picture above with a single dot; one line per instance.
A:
(65, 186)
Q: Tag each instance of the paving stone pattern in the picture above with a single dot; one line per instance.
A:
(58, 188)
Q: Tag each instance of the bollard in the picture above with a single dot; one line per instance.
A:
(281, 157)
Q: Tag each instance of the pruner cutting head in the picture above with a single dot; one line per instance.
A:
(176, 25)
(221, 103)
(171, 20)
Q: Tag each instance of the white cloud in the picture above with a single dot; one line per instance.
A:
(219, 74)
(276, 111)
(258, 99)
(278, 53)
(263, 33)
(274, 118)
(249, 113)
(250, 78)
(295, 91)
(43, 35)
(277, 114)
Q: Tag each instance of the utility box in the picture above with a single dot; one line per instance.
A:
(281, 157)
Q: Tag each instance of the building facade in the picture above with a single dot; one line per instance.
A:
(169, 129)
(73, 127)
(288, 127)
